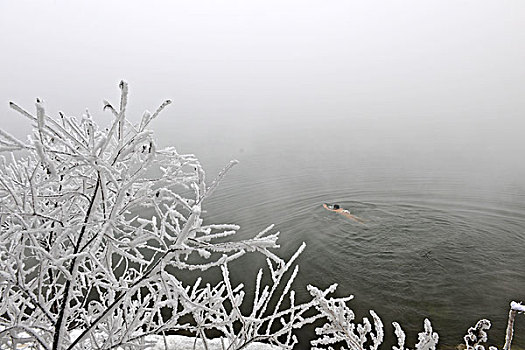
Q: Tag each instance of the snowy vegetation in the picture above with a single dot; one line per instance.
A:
(96, 226)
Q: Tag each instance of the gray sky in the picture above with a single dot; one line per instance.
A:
(454, 67)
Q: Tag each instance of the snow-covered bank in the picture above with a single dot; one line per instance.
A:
(180, 342)
(170, 342)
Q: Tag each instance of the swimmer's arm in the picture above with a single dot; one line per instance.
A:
(327, 208)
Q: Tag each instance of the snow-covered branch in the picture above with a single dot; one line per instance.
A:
(96, 225)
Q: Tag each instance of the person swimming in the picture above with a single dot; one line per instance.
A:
(346, 213)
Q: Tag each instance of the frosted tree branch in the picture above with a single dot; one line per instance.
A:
(97, 225)
(76, 248)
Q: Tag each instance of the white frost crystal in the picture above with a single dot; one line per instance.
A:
(95, 226)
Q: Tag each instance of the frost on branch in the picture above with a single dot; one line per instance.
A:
(342, 331)
(96, 225)
(428, 339)
(340, 326)
(476, 335)
(96, 222)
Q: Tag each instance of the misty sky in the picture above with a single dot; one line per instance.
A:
(427, 68)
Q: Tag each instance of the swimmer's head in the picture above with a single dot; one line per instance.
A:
(336, 206)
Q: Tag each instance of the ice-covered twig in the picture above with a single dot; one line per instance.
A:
(517, 306)
(514, 309)
(107, 229)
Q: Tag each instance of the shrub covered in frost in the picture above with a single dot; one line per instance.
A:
(97, 223)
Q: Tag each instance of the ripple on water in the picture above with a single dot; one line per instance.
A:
(437, 253)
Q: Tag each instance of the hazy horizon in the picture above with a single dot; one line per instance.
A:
(404, 66)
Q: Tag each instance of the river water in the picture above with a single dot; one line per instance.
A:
(444, 216)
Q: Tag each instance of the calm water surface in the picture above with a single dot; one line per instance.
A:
(445, 218)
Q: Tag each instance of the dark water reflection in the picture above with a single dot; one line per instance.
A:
(444, 232)
(444, 216)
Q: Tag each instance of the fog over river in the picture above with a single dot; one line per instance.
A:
(410, 114)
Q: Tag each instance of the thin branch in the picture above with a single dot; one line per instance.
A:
(65, 297)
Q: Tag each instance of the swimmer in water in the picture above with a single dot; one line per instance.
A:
(336, 208)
